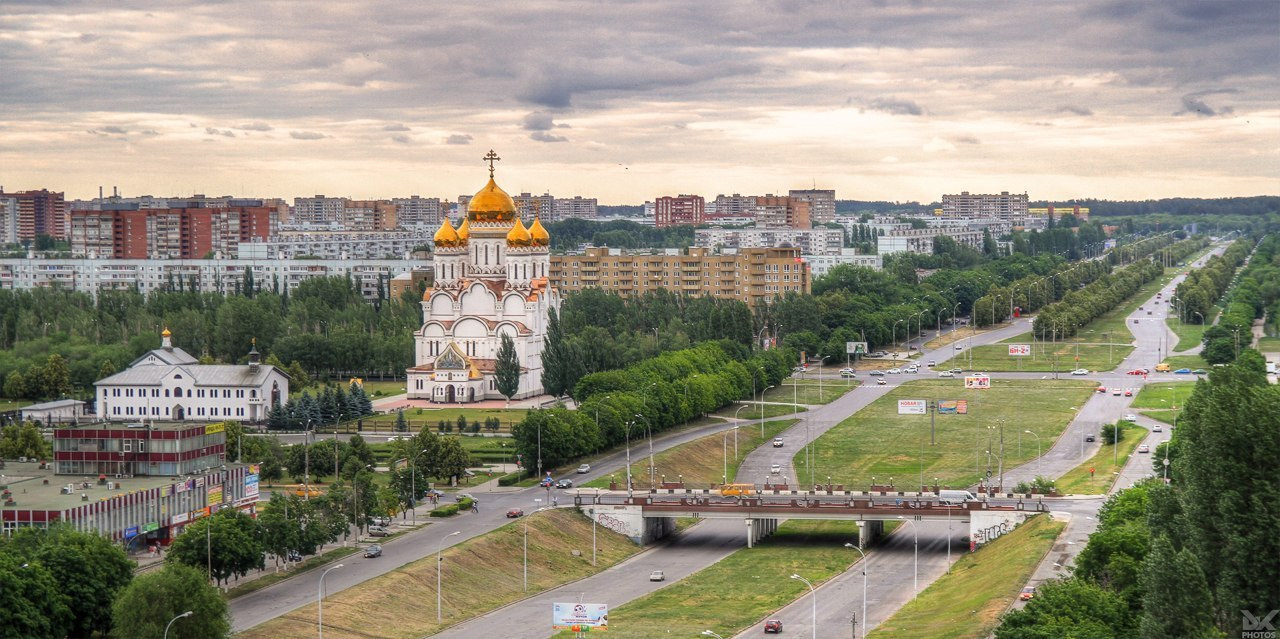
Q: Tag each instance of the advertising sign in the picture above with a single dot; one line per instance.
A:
(216, 427)
(579, 617)
(913, 406)
(180, 518)
(1019, 350)
(855, 348)
(977, 381)
(130, 532)
(250, 485)
(953, 407)
(214, 496)
(150, 527)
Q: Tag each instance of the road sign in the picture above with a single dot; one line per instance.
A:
(977, 381)
(1019, 350)
(912, 407)
(579, 616)
(855, 348)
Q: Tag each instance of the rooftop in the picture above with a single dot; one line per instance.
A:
(139, 426)
(36, 488)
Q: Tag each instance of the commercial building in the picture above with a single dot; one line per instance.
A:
(171, 233)
(822, 241)
(1005, 206)
(1058, 210)
(822, 203)
(683, 209)
(42, 212)
(750, 275)
(62, 411)
(168, 383)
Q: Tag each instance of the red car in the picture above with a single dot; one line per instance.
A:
(773, 625)
(515, 512)
(1137, 371)
(1128, 392)
(1102, 389)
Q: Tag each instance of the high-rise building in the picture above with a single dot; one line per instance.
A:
(577, 206)
(683, 209)
(529, 207)
(8, 219)
(822, 203)
(415, 211)
(1002, 207)
(42, 212)
(368, 215)
(317, 211)
(775, 211)
(180, 233)
(731, 206)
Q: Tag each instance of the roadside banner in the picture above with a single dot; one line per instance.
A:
(913, 406)
(579, 617)
(855, 348)
(953, 407)
(1019, 350)
(250, 485)
(977, 381)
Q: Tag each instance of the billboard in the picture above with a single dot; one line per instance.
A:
(216, 427)
(214, 496)
(855, 348)
(1019, 350)
(579, 617)
(953, 406)
(913, 406)
(250, 485)
(977, 381)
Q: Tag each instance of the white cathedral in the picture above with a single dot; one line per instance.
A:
(490, 280)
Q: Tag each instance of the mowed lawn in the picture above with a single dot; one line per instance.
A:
(1108, 460)
(967, 602)
(753, 410)
(431, 417)
(739, 590)
(1191, 335)
(700, 463)
(479, 575)
(809, 390)
(878, 443)
(1163, 400)
(1047, 356)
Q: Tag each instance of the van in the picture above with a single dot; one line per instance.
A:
(955, 497)
(738, 489)
(1162, 368)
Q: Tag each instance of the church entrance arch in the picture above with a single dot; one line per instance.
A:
(179, 413)
(471, 394)
(448, 394)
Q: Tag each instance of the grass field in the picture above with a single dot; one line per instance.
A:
(480, 575)
(417, 417)
(878, 443)
(995, 357)
(1186, 361)
(739, 590)
(700, 462)
(13, 404)
(1190, 335)
(967, 602)
(1077, 480)
(1162, 401)
(1269, 345)
(753, 410)
(809, 391)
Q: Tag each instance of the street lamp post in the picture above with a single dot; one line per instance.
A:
(814, 595)
(439, 565)
(914, 531)
(628, 433)
(413, 486)
(166, 628)
(526, 543)
(1039, 459)
(894, 338)
(320, 601)
(864, 587)
(762, 392)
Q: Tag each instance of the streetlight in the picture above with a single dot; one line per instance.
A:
(1039, 459)
(628, 433)
(649, 432)
(814, 595)
(526, 544)
(166, 628)
(726, 451)
(413, 486)
(864, 586)
(916, 582)
(894, 338)
(439, 544)
(320, 601)
(762, 392)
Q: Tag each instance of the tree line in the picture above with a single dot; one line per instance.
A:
(1190, 558)
(1203, 287)
(1255, 295)
(648, 397)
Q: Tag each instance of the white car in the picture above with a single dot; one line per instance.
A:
(913, 369)
(894, 371)
(775, 469)
(946, 374)
(1130, 418)
(657, 576)
(585, 468)
(959, 347)
(1080, 371)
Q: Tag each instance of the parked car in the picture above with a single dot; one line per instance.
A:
(773, 626)
(515, 512)
(585, 468)
(381, 521)
(293, 555)
(777, 442)
(373, 551)
(799, 369)
(1090, 437)
(946, 374)
(930, 363)
(564, 483)
(378, 531)
(1131, 418)
(775, 469)
(1144, 448)
(1027, 593)
(1080, 371)
(657, 576)
(1182, 371)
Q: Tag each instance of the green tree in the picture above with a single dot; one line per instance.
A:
(31, 604)
(55, 377)
(507, 369)
(555, 358)
(298, 378)
(147, 605)
(402, 426)
(451, 459)
(1068, 609)
(15, 386)
(108, 369)
(226, 545)
(90, 571)
(24, 440)
(1177, 602)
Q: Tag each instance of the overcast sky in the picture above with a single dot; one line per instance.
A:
(625, 101)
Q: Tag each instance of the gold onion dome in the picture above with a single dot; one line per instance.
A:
(518, 235)
(491, 204)
(446, 236)
(539, 235)
(166, 332)
(464, 231)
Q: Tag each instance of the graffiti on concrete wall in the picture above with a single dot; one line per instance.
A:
(613, 523)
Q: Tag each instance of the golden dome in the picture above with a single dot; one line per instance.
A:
(446, 236)
(464, 231)
(491, 204)
(539, 235)
(518, 236)
(166, 332)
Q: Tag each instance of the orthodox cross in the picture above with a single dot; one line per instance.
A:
(491, 157)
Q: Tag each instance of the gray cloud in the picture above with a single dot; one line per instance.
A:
(1077, 110)
(539, 121)
(255, 126)
(395, 127)
(226, 133)
(1192, 103)
(458, 138)
(113, 130)
(543, 136)
(306, 135)
(402, 138)
(896, 106)
(966, 139)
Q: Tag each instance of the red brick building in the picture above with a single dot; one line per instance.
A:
(42, 212)
(184, 233)
(683, 209)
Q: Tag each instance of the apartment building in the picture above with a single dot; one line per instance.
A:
(682, 209)
(415, 211)
(368, 215)
(820, 265)
(821, 241)
(782, 211)
(42, 212)
(529, 206)
(1058, 210)
(751, 275)
(822, 203)
(899, 240)
(577, 206)
(8, 219)
(123, 232)
(334, 245)
(735, 205)
(1004, 206)
(317, 211)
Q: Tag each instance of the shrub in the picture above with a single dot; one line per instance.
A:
(445, 511)
(513, 478)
